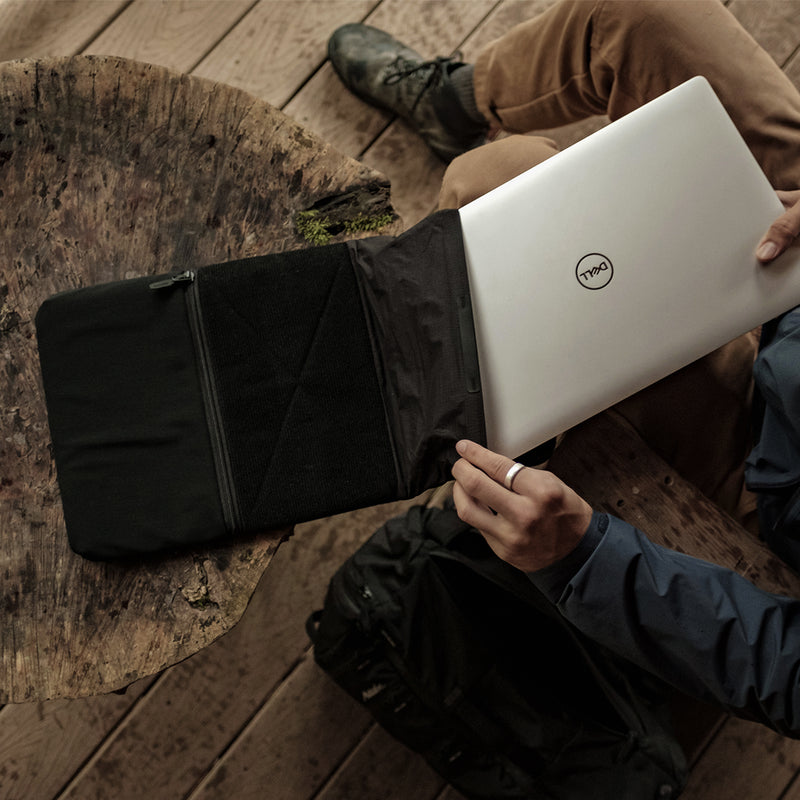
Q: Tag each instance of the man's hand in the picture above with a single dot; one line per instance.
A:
(538, 523)
(783, 231)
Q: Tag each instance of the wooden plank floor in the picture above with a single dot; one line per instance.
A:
(251, 716)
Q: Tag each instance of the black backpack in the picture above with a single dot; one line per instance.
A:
(460, 657)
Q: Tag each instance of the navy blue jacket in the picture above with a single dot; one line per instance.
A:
(702, 627)
(699, 626)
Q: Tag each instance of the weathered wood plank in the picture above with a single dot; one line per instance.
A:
(382, 767)
(42, 744)
(285, 753)
(605, 461)
(347, 121)
(792, 793)
(234, 676)
(416, 173)
(175, 34)
(293, 33)
(324, 106)
(745, 760)
(51, 27)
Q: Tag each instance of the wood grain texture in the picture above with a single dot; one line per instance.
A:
(605, 461)
(31, 739)
(175, 34)
(276, 758)
(382, 767)
(411, 163)
(745, 760)
(41, 743)
(295, 34)
(51, 27)
(322, 753)
(111, 169)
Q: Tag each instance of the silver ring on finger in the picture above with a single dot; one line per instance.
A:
(512, 473)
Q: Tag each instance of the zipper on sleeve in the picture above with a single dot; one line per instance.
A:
(219, 445)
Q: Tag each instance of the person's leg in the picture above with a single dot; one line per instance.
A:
(582, 58)
(478, 171)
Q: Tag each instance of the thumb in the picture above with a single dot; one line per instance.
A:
(780, 235)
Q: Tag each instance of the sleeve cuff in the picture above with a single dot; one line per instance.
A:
(553, 580)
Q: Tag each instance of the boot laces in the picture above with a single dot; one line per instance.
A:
(402, 68)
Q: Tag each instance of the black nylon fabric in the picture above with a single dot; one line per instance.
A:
(416, 295)
(262, 392)
(293, 367)
(127, 421)
(461, 658)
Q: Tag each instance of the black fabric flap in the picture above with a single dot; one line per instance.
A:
(416, 297)
(301, 407)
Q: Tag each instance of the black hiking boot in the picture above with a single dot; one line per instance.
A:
(387, 74)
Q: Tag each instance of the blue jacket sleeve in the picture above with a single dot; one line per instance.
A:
(699, 626)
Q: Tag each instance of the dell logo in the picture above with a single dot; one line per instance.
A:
(594, 271)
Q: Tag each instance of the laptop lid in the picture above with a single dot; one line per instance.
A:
(616, 262)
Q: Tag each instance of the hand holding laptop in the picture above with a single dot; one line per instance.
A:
(529, 517)
(783, 231)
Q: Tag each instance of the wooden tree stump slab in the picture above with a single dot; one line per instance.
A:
(113, 169)
(606, 462)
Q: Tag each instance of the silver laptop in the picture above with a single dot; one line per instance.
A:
(616, 262)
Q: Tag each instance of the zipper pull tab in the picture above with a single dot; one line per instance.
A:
(180, 277)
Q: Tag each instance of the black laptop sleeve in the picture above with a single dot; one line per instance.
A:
(260, 393)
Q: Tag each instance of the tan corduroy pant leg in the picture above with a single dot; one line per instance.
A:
(583, 58)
